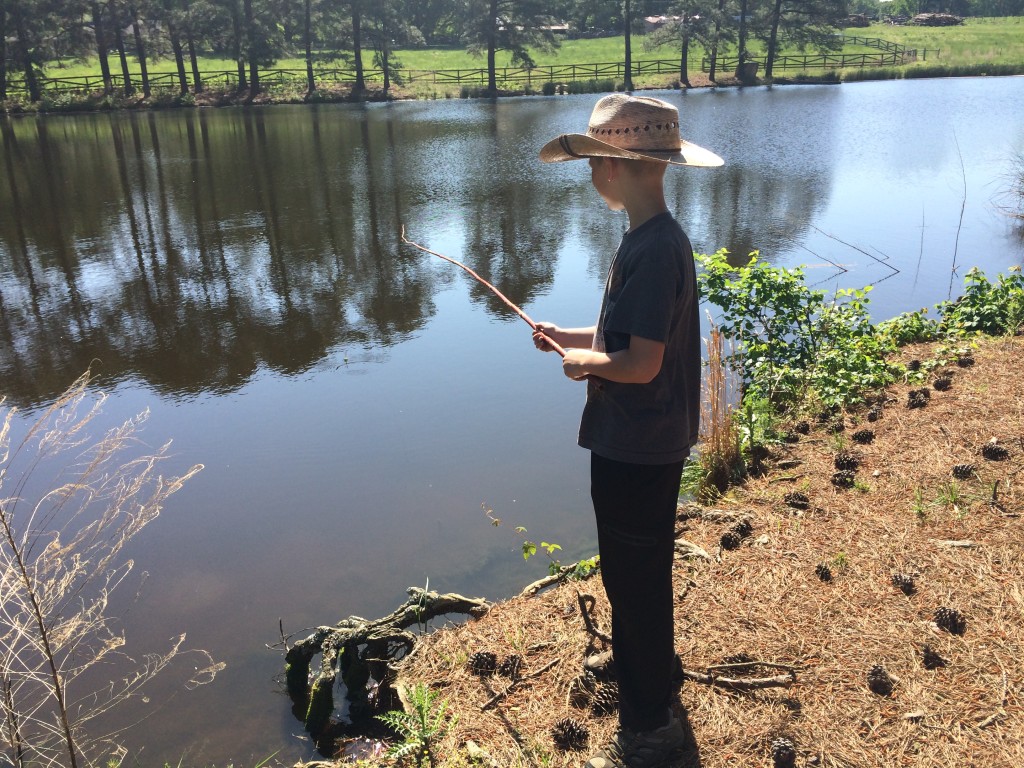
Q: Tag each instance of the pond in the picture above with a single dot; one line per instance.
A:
(358, 405)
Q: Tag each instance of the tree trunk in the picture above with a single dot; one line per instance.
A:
(25, 53)
(492, 43)
(773, 39)
(101, 46)
(140, 51)
(712, 69)
(179, 57)
(197, 78)
(357, 48)
(627, 20)
(385, 55)
(308, 35)
(742, 45)
(236, 27)
(254, 67)
(126, 74)
(3, 50)
(684, 56)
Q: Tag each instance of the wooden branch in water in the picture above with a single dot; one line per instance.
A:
(383, 639)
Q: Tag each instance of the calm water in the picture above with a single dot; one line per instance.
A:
(355, 402)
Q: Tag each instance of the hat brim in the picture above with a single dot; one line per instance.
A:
(577, 146)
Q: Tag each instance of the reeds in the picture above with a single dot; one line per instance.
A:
(61, 540)
(720, 458)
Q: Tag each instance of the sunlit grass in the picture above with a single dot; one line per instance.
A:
(979, 46)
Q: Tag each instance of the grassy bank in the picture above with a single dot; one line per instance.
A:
(978, 47)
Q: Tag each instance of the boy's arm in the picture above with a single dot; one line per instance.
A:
(639, 363)
(564, 337)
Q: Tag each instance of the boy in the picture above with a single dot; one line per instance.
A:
(642, 362)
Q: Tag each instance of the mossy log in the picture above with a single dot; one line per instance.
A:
(382, 640)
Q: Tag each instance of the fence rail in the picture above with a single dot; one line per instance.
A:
(893, 55)
(820, 61)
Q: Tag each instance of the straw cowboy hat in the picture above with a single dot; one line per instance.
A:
(632, 128)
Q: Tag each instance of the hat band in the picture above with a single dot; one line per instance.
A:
(563, 140)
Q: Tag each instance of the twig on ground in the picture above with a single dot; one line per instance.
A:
(515, 684)
(586, 605)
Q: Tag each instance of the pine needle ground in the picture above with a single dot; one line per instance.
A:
(905, 514)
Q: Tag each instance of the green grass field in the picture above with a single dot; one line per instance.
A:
(978, 44)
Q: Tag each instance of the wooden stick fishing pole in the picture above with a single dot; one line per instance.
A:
(551, 342)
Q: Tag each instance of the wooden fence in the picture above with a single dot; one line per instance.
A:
(819, 61)
(890, 54)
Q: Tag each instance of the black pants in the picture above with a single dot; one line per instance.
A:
(635, 506)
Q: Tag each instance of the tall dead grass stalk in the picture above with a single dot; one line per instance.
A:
(721, 458)
(61, 538)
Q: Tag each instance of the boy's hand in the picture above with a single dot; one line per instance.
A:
(574, 363)
(541, 335)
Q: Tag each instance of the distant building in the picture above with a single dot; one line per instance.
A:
(652, 23)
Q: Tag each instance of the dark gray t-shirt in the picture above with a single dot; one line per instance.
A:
(650, 292)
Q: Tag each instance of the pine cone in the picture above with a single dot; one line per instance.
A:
(846, 462)
(606, 700)
(582, 689)
(930, 659)
(783, 753)
(904, 582)
(738, 658)
(951, 620)
(914, 365)
(863, 436)
(837, 426)
(570, 734)
(965, 361)
(942, 383)
(511, 666)
(730, 540)
(823, 572)
(743, 528)
(994, 452)
(483, 663)
(918, 398)
(874, 413)
(802, 428)
(797, 500)
(843, 479)
(879, 680)
(963, 471)
(790, 437)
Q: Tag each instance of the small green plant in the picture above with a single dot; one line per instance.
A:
(840, 561)
(420, 728)
(919, 507)
(529, 548)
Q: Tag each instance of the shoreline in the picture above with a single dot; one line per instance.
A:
(100, 102)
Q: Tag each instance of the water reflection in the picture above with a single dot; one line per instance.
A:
(190, 249)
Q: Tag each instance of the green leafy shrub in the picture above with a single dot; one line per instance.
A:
(793, 344)
(986, 307)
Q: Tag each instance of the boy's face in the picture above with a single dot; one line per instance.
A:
(603, 173)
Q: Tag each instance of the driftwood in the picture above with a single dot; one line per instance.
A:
(359, 648)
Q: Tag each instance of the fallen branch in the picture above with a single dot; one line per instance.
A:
(586, 605)
(744, 684)
(686, 548)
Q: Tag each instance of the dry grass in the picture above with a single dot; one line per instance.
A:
(765, 599)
